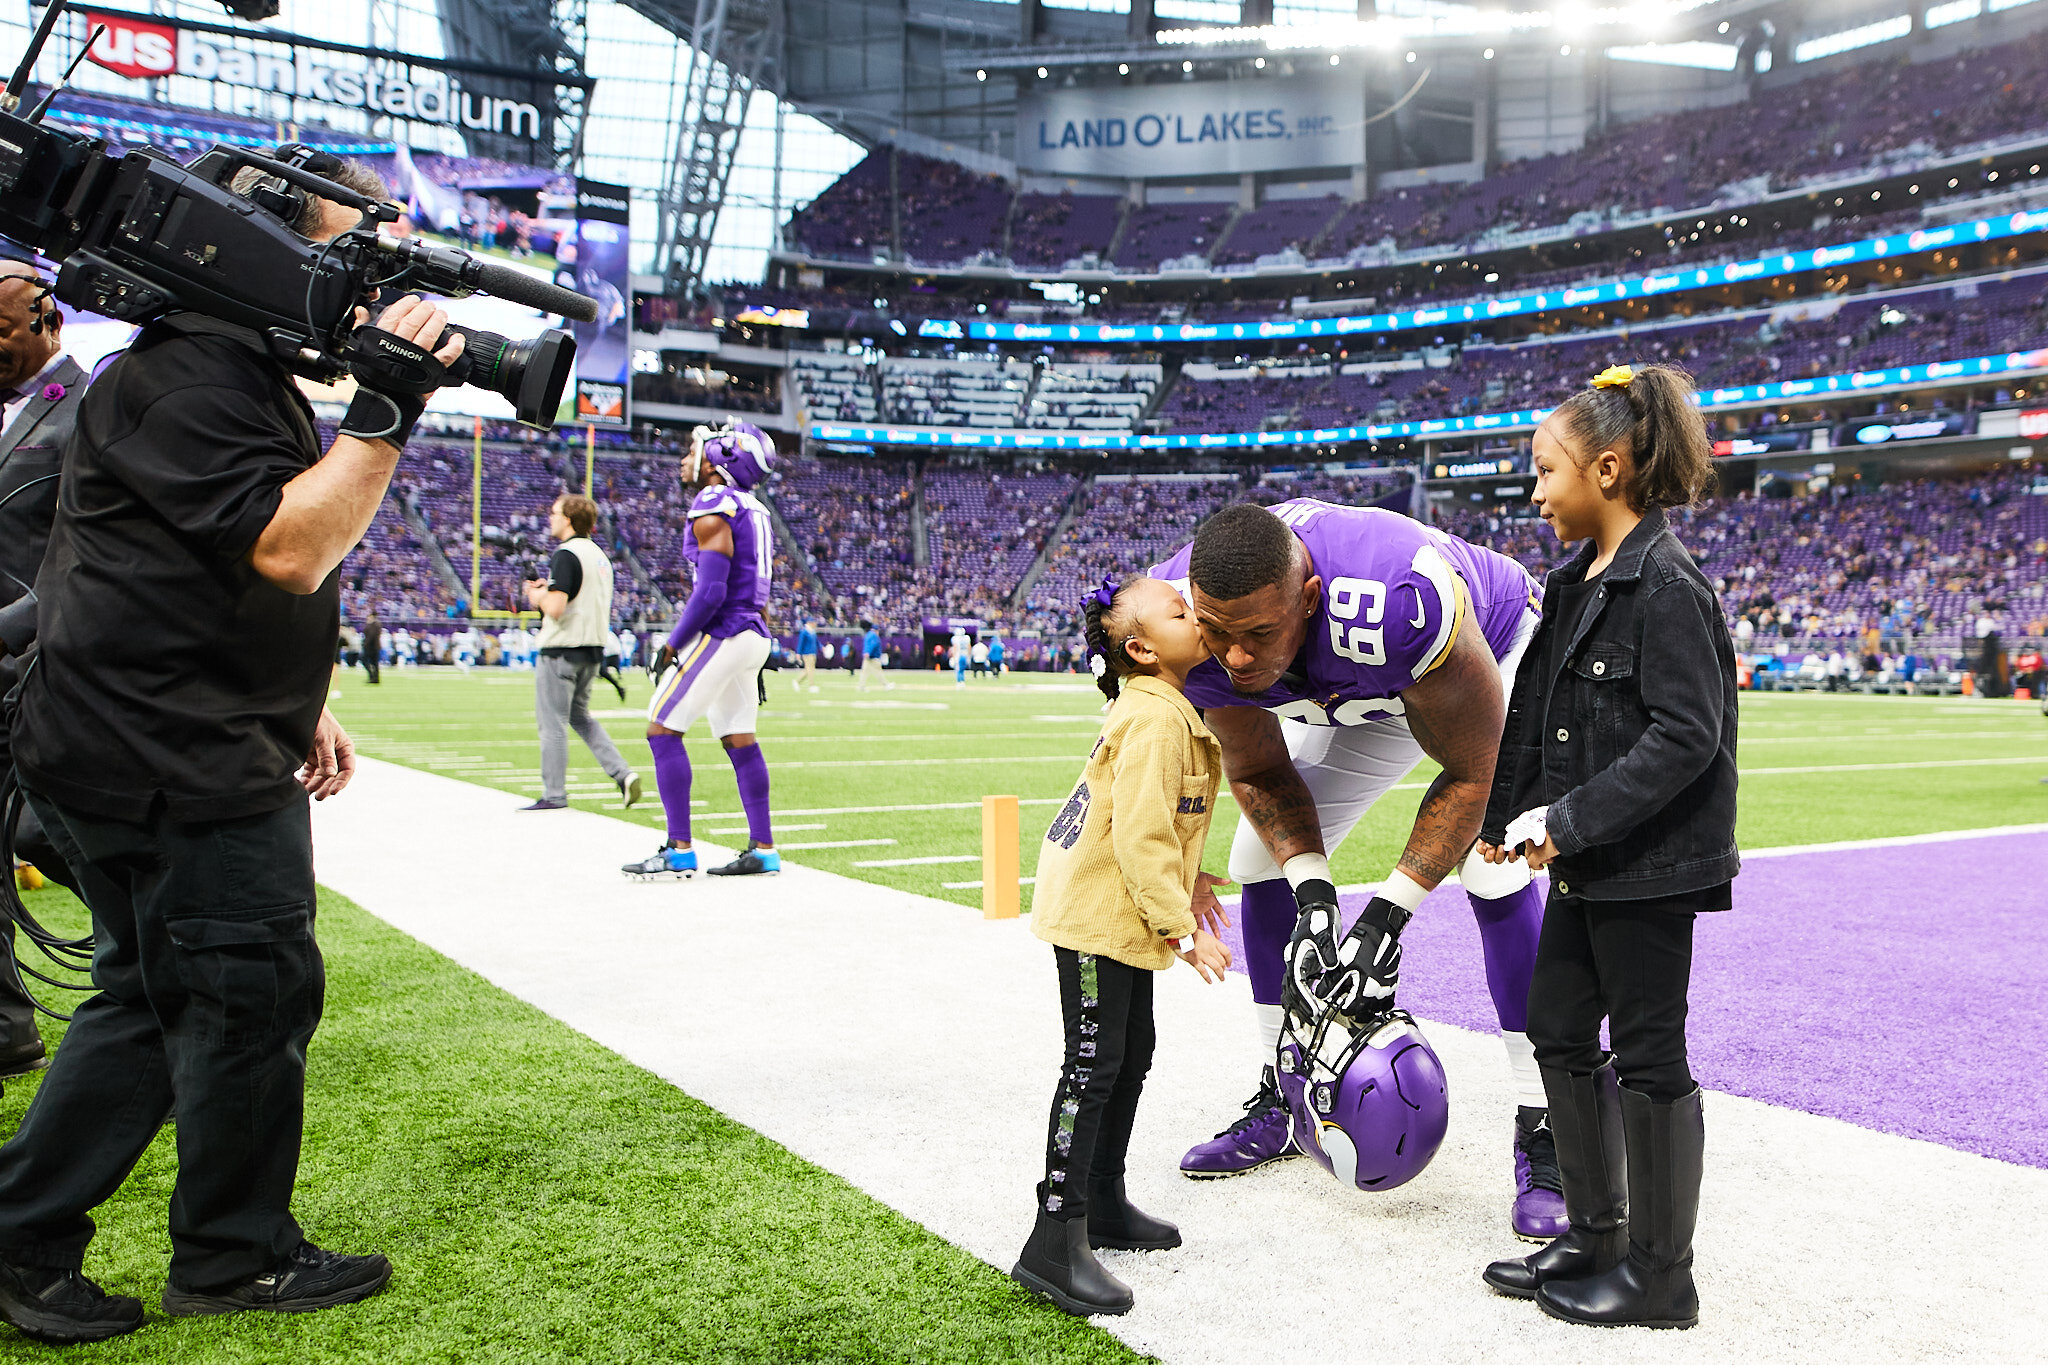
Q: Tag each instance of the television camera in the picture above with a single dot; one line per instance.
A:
(138, 236)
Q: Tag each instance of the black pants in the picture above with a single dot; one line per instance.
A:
(1108, 1009)
(372, 665)
(210, 985)
(1629, 962)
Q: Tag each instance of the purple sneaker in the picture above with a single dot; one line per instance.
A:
(1539, 1192)
(1265, 1134)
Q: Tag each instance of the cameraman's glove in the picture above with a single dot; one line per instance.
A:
(1355, 975)
(394, 378)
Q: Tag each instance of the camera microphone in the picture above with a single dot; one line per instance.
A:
(456, 274)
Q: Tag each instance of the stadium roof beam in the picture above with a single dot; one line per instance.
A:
(542, 36)
(733, 48)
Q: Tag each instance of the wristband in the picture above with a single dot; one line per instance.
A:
(1403, 890)
(1181, 944)
(375, 416)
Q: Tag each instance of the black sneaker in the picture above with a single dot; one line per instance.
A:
(755, 862)
(310, 1279)
(62, 1307)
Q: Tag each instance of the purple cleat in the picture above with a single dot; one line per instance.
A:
(1539, 1192)
(1265, 1134)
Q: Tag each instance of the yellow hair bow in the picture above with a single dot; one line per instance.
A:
(1614, 377)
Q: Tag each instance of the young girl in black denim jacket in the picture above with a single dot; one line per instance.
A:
(1617, 772)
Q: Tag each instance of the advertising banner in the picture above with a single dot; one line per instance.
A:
(598, 265)
(148, 48)
(1194, 127)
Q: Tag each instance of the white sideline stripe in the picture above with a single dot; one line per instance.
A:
(741, 834)
(923, 862)
(1894, 841)
(838, 843)
(885, 810)
(975, 886)
(1891, 767)
(1799, 1229)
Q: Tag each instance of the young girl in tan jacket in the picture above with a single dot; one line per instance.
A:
(1116, 875)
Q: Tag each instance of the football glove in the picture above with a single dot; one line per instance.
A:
(1356, 974)
(658, 665)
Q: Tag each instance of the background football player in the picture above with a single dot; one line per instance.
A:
(708, 668)
(1348, 643)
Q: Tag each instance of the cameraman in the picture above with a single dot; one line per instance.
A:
(170, 730)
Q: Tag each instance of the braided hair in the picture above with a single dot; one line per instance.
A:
(1651, 416)
(1108, 633)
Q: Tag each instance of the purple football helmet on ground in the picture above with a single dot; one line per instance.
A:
(742, 452)
(1367, 1095)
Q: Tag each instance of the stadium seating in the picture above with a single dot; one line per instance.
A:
(1099, 397)
(1275, 226)
(1157, 234)
(963, 393)
(987, 528)
(1053, 229)
(834, 388)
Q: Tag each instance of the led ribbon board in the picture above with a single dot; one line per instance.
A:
(1528, 305)
(1857, 381)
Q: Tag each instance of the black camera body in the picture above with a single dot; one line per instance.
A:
(141, 236)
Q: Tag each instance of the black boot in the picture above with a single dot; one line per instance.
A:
(1114, 1224)
(1592, 1159)
(1653, 1286)
(1058, 1264)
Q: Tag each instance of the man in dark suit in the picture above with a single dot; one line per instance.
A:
(373, 646)
(40, 389)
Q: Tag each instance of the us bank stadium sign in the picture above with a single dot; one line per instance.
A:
(148, 49)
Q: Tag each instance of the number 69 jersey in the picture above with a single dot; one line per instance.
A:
(1395, 594)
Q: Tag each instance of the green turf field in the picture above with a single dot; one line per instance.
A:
(900, 774)
(545, 1200)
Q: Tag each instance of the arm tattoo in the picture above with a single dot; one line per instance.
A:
(1278, 805)
(1456, 715)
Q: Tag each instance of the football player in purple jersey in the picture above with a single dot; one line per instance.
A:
(709, 665)
(1347, 644)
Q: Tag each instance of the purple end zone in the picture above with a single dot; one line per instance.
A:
(1898, 989)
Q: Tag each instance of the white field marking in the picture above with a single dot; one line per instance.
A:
(921, 862)
(701, 739)
(1075, 720)
(890, 705)
(1890, 737)
(888, 810)
(975, 886)
(840, 843)
(1783, 1189)
(1894, 841)
(741, 834)
(925, 762)
(1889, 767)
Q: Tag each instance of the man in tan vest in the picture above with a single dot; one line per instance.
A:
(575, 600)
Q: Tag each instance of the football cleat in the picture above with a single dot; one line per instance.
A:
(665, 864)
(755, 862)
(1264, 1135)
(1539, 1189)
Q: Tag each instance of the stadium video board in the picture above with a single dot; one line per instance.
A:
(598, 267)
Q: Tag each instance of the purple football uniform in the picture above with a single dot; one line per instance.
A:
(753, 556)
(1395, 593)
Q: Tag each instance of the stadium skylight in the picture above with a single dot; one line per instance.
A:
(1431, 19)
(1953, 12)
(1705, 56)
(1849, 39)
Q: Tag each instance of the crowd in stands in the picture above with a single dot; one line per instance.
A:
(1866, 117)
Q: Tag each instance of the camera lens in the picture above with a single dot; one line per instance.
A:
(530, 375)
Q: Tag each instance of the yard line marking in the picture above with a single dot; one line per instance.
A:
(1889, 737)
(840, 843)
(974, 886)
(740, 833)
(928, 762)
(921, 862)
(886, 810)
(890, 705)
(1888, 767)
(1894, 841)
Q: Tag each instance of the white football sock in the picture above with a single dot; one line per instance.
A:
(1522, 1066)
(1270, 1019)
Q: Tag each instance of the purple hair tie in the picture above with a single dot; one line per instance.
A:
(1105, 595)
